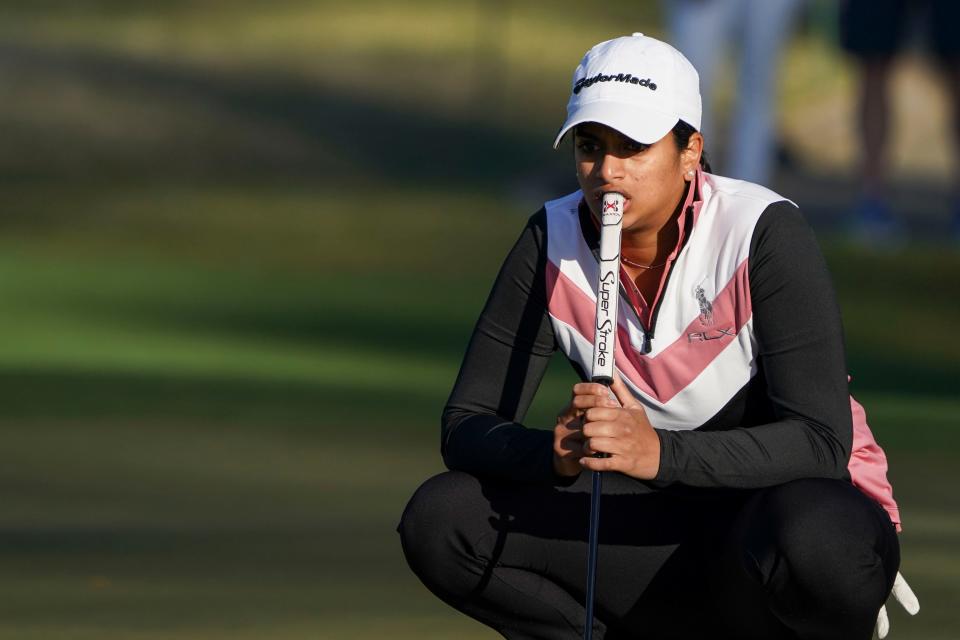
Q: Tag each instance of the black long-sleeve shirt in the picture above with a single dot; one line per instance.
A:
(791, 420)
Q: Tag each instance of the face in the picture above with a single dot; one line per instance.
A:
(652, 177)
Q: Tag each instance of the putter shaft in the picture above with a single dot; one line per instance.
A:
(592, 553)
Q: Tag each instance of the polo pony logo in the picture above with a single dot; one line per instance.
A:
(706, 309)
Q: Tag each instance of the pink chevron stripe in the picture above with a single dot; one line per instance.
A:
(674, 368)
(569, 304)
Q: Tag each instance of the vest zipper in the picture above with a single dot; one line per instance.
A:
(648, 332)
(648, 339)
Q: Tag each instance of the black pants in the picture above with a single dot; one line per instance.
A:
(807, 559)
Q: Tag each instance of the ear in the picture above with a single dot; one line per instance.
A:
(690, 157)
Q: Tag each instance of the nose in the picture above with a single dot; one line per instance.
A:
(611, 167)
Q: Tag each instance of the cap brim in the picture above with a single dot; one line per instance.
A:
(643, 125)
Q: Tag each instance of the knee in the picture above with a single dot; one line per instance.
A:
(433, 527)
(824, 540)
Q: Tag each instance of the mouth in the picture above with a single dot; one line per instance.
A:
(599, 193)
(597, 196)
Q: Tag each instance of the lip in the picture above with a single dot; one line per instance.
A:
(599, 193)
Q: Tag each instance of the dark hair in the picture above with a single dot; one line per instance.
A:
(681, 135)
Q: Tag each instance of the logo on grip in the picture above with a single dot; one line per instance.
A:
(605, 326)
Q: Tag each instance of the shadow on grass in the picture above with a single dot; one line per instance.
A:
(87, 396)
(327, 316)
(347, 136)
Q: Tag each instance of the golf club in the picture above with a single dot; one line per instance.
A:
(604, 339)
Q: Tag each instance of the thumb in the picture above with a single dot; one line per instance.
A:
(623, 394)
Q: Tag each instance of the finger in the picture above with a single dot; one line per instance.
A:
(604, 414)
(569, 444)
(588, 401)
(905, 596)
(589, 388)
(603, 444)
(569, 422)
(585, 448)
(603, 429)
(622, 392)
(883, 623)
(571, 449)
(600, 464)
(571, 439)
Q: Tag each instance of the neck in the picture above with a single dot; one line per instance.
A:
(653, 242)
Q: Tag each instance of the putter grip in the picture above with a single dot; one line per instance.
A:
(608, 291)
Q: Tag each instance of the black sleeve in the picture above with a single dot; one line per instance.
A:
(506, 358)
(801, 356)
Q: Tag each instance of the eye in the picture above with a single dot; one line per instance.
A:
(587, 146)
(632, 146)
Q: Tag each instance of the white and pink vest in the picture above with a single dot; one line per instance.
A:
(681, 381)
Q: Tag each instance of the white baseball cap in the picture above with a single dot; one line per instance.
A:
(637, 85)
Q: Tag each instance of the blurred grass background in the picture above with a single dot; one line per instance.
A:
(242, 245)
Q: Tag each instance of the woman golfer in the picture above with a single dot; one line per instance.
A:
(745, 496)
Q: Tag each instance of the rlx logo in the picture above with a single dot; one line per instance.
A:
(714, 334)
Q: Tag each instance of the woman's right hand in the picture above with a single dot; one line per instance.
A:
(568, 445)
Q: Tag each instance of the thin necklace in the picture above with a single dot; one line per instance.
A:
(642, 266)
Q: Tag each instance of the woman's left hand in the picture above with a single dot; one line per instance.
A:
(624, 432)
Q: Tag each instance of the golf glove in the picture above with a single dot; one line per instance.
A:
(905, 596)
